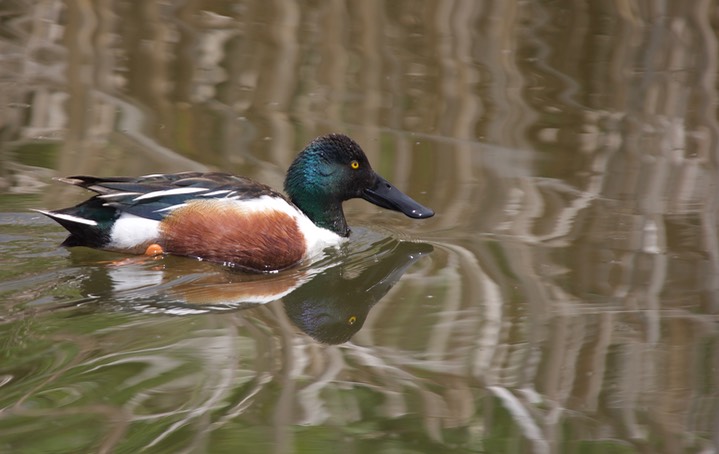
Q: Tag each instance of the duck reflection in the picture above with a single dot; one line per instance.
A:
(329, 301)
(334, 305)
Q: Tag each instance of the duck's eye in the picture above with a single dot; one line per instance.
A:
(352, 319)
(354, 164)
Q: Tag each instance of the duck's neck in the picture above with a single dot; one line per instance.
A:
(310, 182)
(323, 213)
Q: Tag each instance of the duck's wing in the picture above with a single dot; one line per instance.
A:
(155, 196)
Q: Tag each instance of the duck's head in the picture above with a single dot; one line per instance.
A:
(332, 169)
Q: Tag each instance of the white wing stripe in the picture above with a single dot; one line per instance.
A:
(216, 193)
(117, 195)
(170, 208)
(169, 192)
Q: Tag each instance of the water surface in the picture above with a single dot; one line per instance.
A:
(563, 299)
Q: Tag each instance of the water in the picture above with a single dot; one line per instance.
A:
(563, 299)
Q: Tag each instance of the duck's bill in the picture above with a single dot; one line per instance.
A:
(385, 195)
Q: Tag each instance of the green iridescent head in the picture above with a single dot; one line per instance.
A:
(332, 169)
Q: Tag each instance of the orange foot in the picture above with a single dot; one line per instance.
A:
(154, 250)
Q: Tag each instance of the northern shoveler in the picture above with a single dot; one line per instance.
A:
(229, 219)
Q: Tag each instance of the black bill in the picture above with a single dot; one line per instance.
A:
(385, 195)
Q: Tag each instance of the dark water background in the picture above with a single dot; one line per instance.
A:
(564, 299)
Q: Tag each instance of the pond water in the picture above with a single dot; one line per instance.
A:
(563, 299)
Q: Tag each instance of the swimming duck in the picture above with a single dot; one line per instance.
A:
(230, 219)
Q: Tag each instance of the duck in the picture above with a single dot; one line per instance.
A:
(233, 220)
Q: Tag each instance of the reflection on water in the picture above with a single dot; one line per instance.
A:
(569, 303)
(329, 301)
(334, 305)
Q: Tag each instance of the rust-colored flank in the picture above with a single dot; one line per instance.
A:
(222, 231)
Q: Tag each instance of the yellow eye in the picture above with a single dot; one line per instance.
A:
(354, 165)
(352, 319)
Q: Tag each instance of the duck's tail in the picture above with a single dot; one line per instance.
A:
(89, 223)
